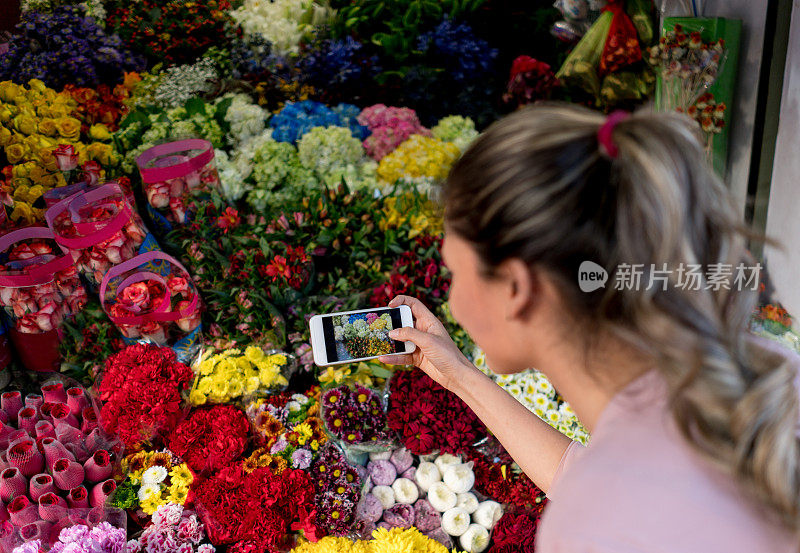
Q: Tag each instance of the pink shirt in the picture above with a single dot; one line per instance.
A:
(639, 488)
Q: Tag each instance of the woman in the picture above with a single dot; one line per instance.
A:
(694, 422)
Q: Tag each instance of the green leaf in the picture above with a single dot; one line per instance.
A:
(195, 106)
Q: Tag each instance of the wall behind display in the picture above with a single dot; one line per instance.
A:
(9, 14)
(753, 14)
(782, 217)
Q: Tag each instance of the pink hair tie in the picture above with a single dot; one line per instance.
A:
(604, 138)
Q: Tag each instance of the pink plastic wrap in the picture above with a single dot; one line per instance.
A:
(39, 485)
(67, 474)
(99, 228)
(173, 173)
(152, 296)
(100, 492)
(98, 466)
(12, 484)
(52, 508)
(26, 457)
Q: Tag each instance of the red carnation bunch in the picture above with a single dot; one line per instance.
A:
(419, 272)
(257, 511)
(141, 392)
(515, 532)
(427, 417)
(210, 438)
(501, 483)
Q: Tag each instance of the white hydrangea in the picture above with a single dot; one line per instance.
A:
(285, 23)
(246, 119)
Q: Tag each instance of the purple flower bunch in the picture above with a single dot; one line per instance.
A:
(355, 415)
(339, 69)
(337, 488)
(454, 47)
(66, 46)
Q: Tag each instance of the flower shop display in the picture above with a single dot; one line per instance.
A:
(251, 511)
(102, 537)
(174, 172)
(210, 438)
(35, 122)
(289, 426)
(38, 51)
(154, 480)
(231, 374)
(435, 496)
(173, 528)
(40, 287)
(355, 416)
(337, 492)
(58, 461)
(173, 31)
(430, 418)
(152, 297)
(99, 229)
(140, 388)
(394, 539)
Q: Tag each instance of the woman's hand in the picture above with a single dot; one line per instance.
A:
(436, 353)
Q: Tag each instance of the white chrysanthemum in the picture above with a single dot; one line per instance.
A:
(154, 475)
(300, 398)
(293, 406)
(543, 385)
(541, 401)
(148, 490)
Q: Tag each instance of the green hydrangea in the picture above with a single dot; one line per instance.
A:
(456, 129)
(277, 175)
(329, 149)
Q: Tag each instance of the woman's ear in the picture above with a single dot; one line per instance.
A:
(521, 284)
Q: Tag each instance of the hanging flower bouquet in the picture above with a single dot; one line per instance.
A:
(687, 66)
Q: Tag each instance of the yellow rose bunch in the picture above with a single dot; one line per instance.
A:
(228, 375)
(34, 121)
(159, 479)
(396, 540)
(419, 156)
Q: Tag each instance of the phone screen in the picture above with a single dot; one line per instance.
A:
(359, 335)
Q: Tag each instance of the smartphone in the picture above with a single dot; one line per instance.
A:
(351, 336)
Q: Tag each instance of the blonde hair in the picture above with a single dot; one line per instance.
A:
(535, 186)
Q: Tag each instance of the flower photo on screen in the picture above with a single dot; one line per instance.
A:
(362, 335)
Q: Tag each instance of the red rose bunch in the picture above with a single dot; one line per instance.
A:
(530, 80)
(141, 392)
(515, 532)
(210, 438)
(427, 417)
(257, 511)
(103, 105)
(501, 483)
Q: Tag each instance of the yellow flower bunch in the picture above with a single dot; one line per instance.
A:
(33, 122)
(159, 480)
(364, 374)
(419, 156)
(231, 374)
(396, 540)
(419, 216)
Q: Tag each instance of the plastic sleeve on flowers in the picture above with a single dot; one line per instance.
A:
(78, 498)
(26, 457)
(67, 474)
(98, 466)
(39, 485)
(100, 493)
(34, 400)
(12, 484)
(11, 403)
(44, 429)
(89, 421)
(53, 451)
(67, 433)
(61, 414)
(27, 419)
(76, 400)
(52, 508)
(54, 393)
(21, 511)
(3, 512)
(39, 530)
